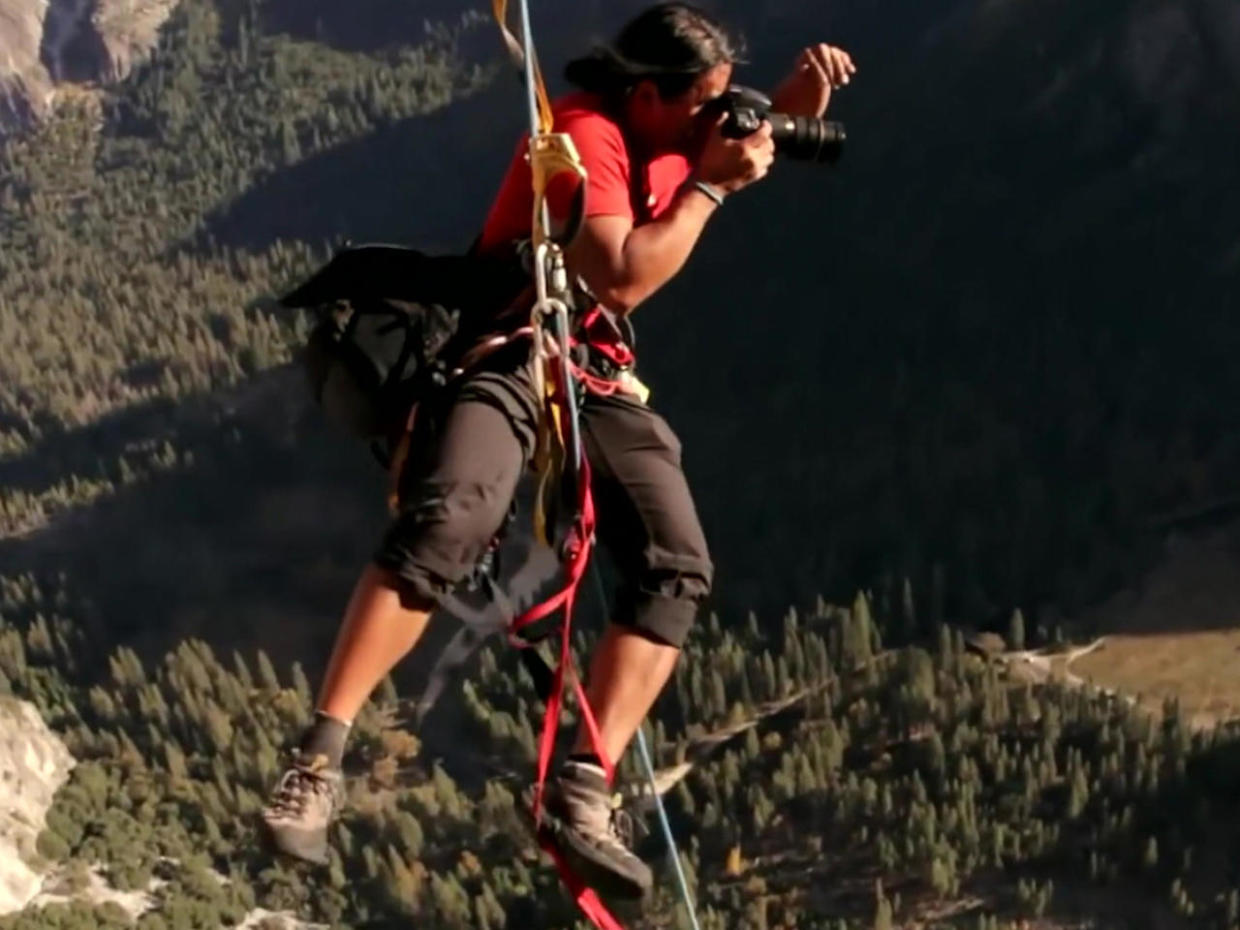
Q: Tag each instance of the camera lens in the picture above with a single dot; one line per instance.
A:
(806, 138)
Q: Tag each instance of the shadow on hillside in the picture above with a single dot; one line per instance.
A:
(62, 454)
(430, 176)
(375, 25)
(256, 545)
(252, 546)
(360, 25)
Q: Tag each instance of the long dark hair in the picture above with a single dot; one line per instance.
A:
(671, 44)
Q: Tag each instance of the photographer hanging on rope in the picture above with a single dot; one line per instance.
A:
(665, 141)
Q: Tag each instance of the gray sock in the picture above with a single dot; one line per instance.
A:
(589, 771)
(326, 736)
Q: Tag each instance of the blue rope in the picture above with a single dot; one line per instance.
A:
(672, 852)
(575, 450)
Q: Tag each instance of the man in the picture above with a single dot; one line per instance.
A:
(658, 169)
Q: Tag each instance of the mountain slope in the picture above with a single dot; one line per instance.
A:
(978, 354)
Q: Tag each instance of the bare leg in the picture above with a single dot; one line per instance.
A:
(627, 673)
(378, 631)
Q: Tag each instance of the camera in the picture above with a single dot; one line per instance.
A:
(803, 138)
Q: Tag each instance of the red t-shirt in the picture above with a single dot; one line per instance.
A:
(618, 184)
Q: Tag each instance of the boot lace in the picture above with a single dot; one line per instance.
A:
(295, 789)
(621, 827)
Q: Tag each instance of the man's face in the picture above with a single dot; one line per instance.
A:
(673, 125)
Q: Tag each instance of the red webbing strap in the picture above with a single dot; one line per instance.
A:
(596, 384)
(603, 335)
(577, 555)
(585, 896)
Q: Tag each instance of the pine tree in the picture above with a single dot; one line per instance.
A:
(489, 915)
(409, 832)
(753, 746)
(219, 727)
(943, 649)
(290, 146)
(938, 595)
(718, 695)
(1149, 858)
(770, 683)
(746, 688)
(783, 678)
(301, 686)
(752, 630)
(1042, 900)
(242, 671)
(882, 908)
(267, 677)
(936, 756)
(174, 758)
(859, 633)
(1016, 630)
(1078, 795)
(755, 914)
(1233, 908)
(908, 610)
(794, 649)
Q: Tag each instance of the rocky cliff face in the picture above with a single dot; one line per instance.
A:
(44, 43)
(25, 86)
(34, 763)
(126, 31)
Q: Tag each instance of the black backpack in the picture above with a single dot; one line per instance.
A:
(391, 322)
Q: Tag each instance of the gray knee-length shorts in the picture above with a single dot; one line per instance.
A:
(471, 448)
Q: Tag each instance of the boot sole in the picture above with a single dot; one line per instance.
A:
(583, 860)
(294, 845)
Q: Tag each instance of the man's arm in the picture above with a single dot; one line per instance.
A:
(623, 264)
(807, 90)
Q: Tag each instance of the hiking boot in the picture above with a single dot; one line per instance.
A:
(302, 806)
(592, 832)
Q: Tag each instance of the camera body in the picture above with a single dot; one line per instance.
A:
(802, 138)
